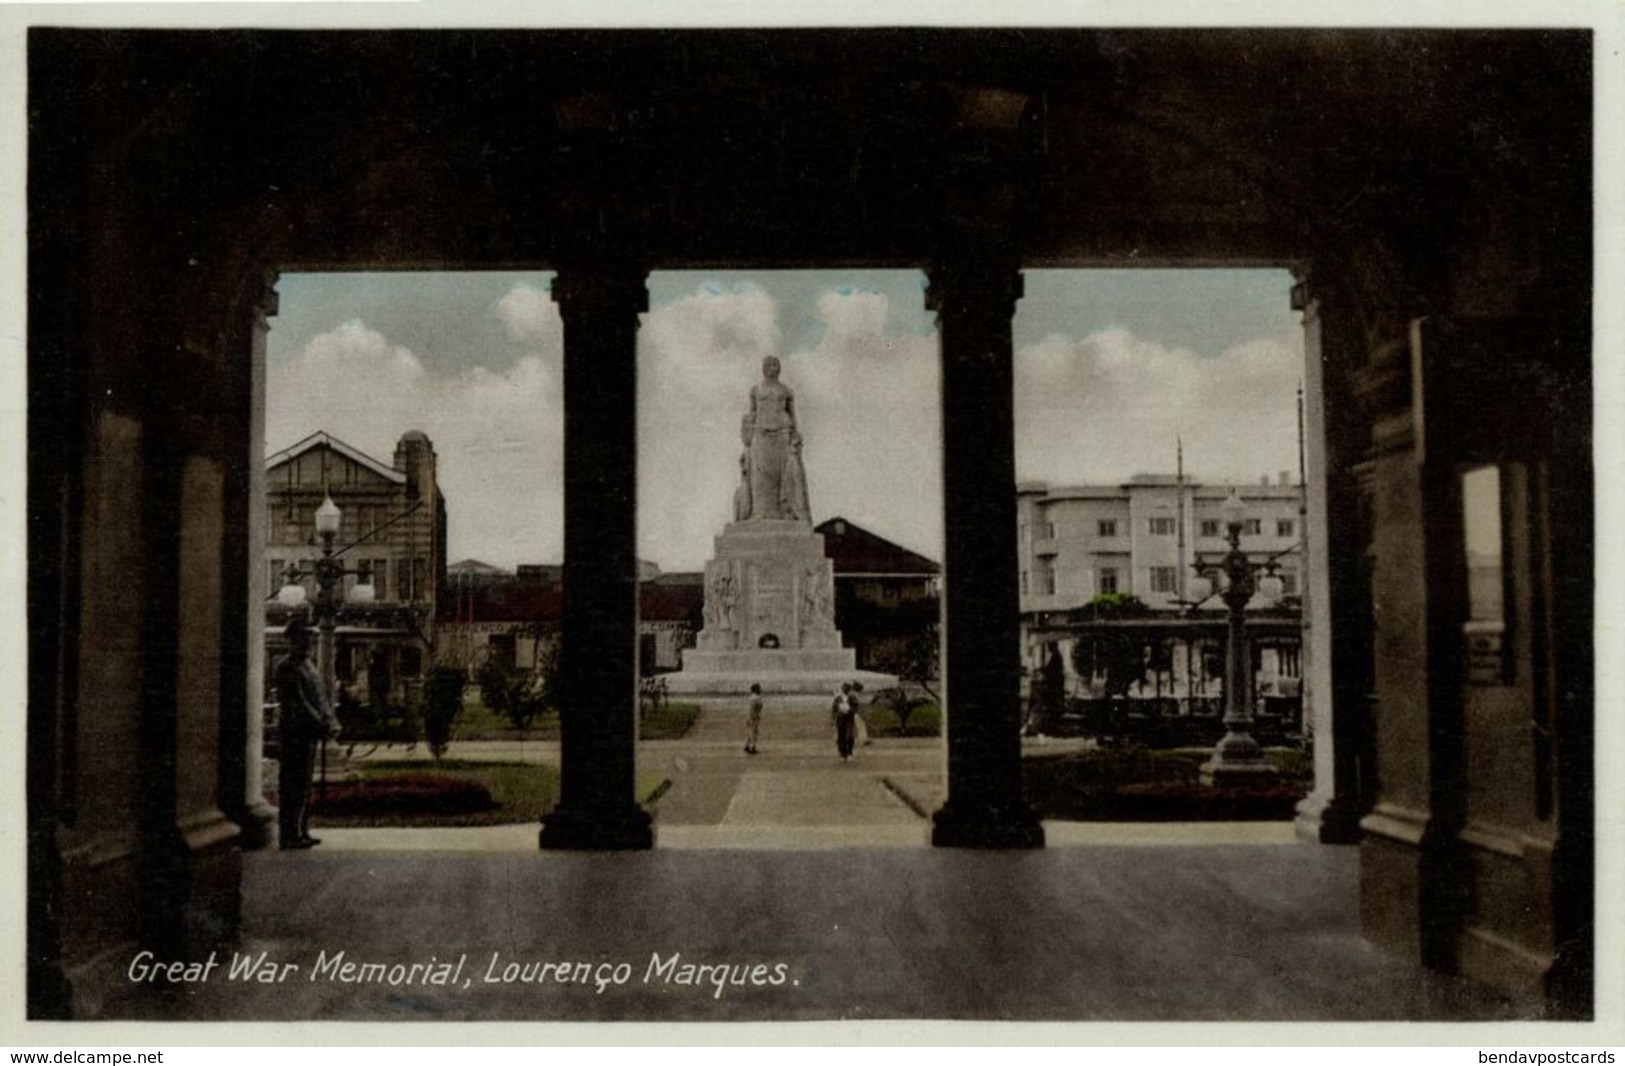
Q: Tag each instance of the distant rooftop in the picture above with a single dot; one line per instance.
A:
(473, 566)
(1284, 483)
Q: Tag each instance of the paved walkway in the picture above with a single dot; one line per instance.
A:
(789, 886)
(1107, 933)
(795, 793)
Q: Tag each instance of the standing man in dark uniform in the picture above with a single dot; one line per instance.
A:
(306, 716)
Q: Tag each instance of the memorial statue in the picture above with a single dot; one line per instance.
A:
(778, 485)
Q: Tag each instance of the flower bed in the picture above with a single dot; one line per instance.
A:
(403, 794)
(1152, 786)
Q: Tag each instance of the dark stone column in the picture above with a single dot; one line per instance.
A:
(1410, 878)
(600, 303)
(974, 300)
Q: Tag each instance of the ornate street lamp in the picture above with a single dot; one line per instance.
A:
(329, 573)
(1238, 760)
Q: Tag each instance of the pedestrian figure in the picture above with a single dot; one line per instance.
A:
(753, 723)
(306, 716)
(860, 722)
(844, 711)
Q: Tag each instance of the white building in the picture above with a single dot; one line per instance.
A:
(1142, 538)
(1145, 538)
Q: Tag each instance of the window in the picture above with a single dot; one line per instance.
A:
(1024, 582)
(1106, 527)
(1049, 582)
(1210, 528)
(1284, 527)
(1289, 582)
(1045, 531)
(403, 579)
(1164, 579)
(380, 578)
(1021, 532)
(1162, 527)
(1253, 527)
(1108, 581)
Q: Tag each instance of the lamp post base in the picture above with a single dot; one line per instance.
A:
(1238, 760)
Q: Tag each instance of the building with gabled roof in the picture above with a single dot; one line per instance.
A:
(514, 618)
(883, 591)
(392, 529)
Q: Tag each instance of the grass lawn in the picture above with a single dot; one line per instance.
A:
(1145, 785)
(476, 721)
(670, 721)
(518, 792)
(924, 721)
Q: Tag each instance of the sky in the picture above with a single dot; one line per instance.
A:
(1110, 367)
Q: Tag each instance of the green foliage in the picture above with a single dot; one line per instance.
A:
(924, 719)
(516, 695)
(667, 721)
(391, 793)
(402, 795)
(902, 703)
(912, 658)
(518, 792)
(442, 702)
(1148, 785)
(1118, 656)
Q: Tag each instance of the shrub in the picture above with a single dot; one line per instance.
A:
(1146, 786)
(442, 701)
(903, 704)
(924, 720)
(517, 696)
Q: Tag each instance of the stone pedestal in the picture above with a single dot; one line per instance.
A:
(770, 617)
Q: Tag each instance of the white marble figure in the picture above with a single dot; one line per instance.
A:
(815, 600)
(778, 485)
(719, 604)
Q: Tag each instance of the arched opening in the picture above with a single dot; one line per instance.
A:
(790, 532)
(976, 156)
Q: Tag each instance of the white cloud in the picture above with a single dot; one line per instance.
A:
(866, 401)
(1097, 409)
(1111, 405)
(697, 357)
(497, 433)
(532, 318)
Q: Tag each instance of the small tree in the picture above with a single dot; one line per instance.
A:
(913, 658)
(442, 702)
(1118, 654)
(520, 696)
